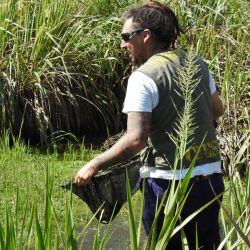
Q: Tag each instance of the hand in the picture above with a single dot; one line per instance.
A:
(85, 174)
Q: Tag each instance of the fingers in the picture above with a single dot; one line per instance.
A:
(81, 182)
(81, 179)
(85, 174)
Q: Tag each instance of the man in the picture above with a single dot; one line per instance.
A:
(149, 35)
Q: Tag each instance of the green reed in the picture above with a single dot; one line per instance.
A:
(34, 210)
(62, 70)
(57, 61)
(36, 214)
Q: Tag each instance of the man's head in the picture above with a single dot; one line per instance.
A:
(150, 24)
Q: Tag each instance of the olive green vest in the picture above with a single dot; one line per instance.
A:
(161, 149)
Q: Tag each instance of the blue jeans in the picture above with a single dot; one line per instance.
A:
(206, 222)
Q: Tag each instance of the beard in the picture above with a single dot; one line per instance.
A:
(133, 60)
(136, 61)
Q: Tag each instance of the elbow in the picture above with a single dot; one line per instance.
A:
(139, 143)
(218, 112)
(217, 106)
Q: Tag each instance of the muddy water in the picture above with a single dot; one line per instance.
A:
(118, 235)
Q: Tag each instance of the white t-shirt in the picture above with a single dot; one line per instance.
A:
(142, 96)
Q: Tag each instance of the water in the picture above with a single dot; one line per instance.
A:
(118, 235)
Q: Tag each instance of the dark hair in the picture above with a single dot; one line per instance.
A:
(157, 17)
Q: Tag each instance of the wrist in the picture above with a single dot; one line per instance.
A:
(96, 164)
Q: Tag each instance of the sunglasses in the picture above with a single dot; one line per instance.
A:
(128, 35)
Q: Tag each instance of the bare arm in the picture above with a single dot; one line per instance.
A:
(138, 127)
(217, 106)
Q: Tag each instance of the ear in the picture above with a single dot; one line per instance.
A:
(147, 35)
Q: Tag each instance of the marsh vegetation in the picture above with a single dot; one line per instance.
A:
(63, 77)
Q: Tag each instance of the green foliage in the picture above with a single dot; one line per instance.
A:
(36, 214)
(32, 206)
(131, 211)
(61, 69)
(236, 211)
(184, 126)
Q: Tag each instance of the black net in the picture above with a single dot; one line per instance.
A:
(106, 193)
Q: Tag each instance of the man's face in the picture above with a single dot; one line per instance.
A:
(135, 44)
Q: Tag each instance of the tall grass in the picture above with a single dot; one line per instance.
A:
(61, 69)
(36, 214)
(60, 66)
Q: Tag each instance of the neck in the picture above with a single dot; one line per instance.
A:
(155, 50)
